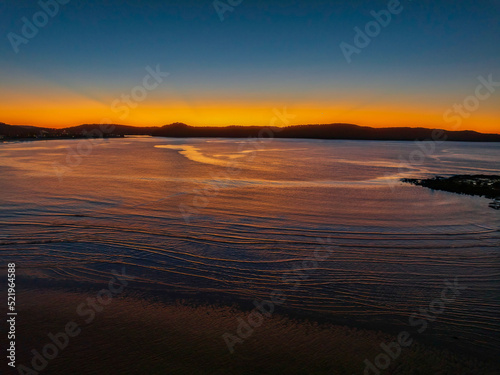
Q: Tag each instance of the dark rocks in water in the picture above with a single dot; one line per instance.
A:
(495, 204)
(481, 185)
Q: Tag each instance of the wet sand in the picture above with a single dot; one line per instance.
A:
(133, 336)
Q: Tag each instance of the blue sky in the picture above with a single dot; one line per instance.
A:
(264, 53)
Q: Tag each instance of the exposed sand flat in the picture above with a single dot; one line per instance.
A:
(137, 337)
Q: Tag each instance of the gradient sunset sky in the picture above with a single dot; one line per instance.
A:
(264, 55)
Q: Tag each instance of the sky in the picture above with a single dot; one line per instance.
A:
(91, 62)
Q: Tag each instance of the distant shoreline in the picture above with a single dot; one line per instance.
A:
(179, 130)
(132, 136)
(34, 139)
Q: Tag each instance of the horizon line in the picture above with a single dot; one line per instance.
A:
(249, 126)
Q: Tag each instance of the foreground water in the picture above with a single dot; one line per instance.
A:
(232, 221)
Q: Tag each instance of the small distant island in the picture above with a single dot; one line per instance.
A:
(180, 130)
(487, 186)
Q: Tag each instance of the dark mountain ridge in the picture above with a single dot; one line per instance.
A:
(314, 131)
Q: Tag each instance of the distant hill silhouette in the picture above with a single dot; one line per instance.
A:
(331, 131)
(180, 130)
(21, 131)
(118, 130)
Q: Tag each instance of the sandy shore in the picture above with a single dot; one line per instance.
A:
(132, 336)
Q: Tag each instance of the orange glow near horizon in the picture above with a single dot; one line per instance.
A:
(71, 112)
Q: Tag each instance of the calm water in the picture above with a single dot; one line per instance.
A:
(184, 222)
